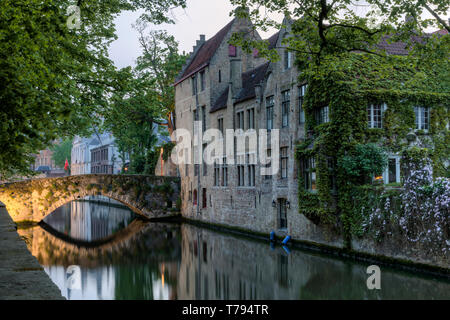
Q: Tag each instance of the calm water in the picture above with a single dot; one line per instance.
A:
(100, 250)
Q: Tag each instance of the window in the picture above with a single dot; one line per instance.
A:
(240, 175)
(288, 55)
(220, 76)
(323, 115)
(195, 197)
(216, 173)
(301, 98)
(202, 80)
(375, 116)
(220, 125)
(204, 198)
(224, 172)
(269, 112)
(422, 118)
(194, 86)
(240, 120)
(309, 173)
(285, 105)
(196, 169)
(204, 165)
(268, 165)
(392, 172)
(251, 118)
(282, 214)
(251, 173)
(284, 162)
(203, 119)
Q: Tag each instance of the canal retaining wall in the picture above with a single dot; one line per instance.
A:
(21, 275)
(392, 253)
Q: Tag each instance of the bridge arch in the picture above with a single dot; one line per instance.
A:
(148, 196)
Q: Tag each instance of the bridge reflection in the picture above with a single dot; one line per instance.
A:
(173, 261)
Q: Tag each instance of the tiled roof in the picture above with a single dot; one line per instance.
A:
(221, 102)
(273, 40)
(400, 48)
(205, 53)
(249, 80)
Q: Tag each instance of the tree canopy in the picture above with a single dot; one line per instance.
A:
(322, 28)
(147, 102)
(55, 78)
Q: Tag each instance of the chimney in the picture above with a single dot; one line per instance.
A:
(236, 75)
(202, 38)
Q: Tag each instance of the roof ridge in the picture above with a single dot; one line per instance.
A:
(202, 56)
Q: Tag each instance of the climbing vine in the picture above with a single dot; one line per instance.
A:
(347, 153)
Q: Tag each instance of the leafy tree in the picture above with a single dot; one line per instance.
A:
(365, 161)
(322, 28)
(147, 100)
(61, 152)
(54, 79)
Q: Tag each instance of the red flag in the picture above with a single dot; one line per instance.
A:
(66, 165)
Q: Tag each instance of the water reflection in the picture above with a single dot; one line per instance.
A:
(91, 219)
(170, 261)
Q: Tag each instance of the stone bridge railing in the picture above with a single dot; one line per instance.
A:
(149, 196)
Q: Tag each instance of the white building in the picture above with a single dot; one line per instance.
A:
(95, 154)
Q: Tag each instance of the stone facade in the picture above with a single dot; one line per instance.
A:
(227, 82)
(33, 200)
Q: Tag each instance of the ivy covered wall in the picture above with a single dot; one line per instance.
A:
(347, 153)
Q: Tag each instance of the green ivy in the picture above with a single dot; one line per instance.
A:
(347, 85)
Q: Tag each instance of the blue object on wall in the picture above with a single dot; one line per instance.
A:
(286, 240)
(272, 236)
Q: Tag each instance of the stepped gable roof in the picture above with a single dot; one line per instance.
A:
(221, 102)
(249, 80)
(205, 53)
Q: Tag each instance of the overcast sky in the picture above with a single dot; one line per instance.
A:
(200, 17)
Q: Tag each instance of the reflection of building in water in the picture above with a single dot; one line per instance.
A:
(168, 261)
(94, 284)
(90, 221)
(220, 267)
(216, 266)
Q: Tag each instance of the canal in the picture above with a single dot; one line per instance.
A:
(98, 249)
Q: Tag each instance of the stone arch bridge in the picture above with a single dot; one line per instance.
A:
(149, 196)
